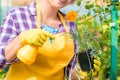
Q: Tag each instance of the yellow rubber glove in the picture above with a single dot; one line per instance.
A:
(86, 75)
(97, 65)
(35, 37)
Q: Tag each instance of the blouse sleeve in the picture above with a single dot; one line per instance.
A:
(7, 33)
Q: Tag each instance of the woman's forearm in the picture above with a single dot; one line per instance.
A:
(12, 48)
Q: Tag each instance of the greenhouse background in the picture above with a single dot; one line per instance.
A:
(99, 28)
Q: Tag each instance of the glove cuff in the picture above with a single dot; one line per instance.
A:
(22, 40)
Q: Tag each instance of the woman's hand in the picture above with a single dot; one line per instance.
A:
(96, 68)
(77, 73)
(35, 37)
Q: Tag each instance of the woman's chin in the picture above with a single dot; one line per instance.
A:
(59, 3)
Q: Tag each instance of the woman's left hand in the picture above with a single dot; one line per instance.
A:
(96, 68)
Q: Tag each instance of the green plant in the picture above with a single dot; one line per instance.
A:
(2, 74)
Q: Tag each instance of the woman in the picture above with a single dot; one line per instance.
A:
(20, 27)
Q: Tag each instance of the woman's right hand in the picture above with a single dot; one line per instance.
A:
(35, 37)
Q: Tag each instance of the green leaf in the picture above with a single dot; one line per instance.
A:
(83, 17)
(97, 10)
(87, 6)
(88, 14)
(107, 9)
(88, 2)
(78, 2)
